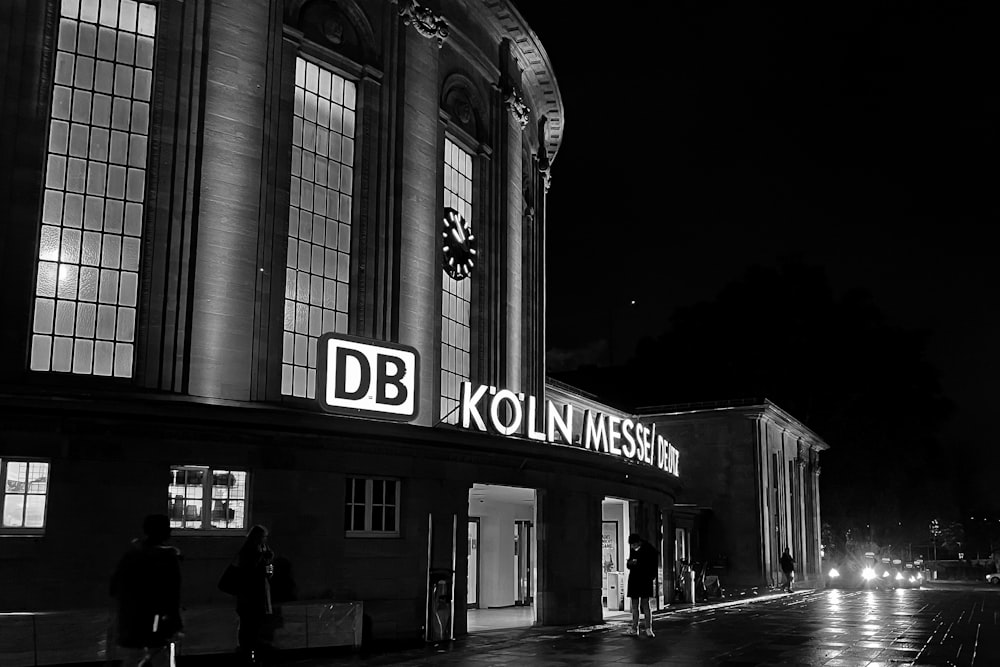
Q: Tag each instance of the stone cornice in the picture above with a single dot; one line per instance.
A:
(755, 410)
(538, 79)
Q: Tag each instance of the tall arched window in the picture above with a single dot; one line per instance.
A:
(456, 295)
(318, 267)
(95, 181)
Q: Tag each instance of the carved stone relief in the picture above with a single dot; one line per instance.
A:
(424, 20)
(460, 101)
(334, 24)
(518, 109)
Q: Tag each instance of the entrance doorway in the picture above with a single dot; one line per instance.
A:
(615, 530)
(502, 557)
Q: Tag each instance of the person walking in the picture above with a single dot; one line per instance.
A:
(787, 569)
(642, 566)
(254, 563)
(146, 586)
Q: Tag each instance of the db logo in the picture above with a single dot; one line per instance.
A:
(361, 377)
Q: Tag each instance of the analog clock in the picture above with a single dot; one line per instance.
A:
(458, 248)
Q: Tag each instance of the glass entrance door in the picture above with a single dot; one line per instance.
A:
(472, 595)
(523, 595)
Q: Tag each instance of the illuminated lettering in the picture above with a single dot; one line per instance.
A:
(594, 436)
(469, 400)
(628, 449)
(614, 434)
(530, 421)
(358, 377)
(508, 413)
(562, 422)
(515, 408)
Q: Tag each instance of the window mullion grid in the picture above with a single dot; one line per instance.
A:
(206, 499)
(369, 499)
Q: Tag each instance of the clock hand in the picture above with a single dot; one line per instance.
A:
(458, 234)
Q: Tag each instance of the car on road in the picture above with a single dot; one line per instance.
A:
(866, 571)
(914, 577)
(993, 578)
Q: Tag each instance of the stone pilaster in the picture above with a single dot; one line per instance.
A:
(225, 263)
(420, 157)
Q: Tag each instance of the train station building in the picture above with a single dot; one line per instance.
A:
(282, 263)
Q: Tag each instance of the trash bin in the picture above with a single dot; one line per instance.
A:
(616, 591)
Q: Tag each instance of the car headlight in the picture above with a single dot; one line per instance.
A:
(899, 576)
(833, 573)
(920, 576)
(867, 574)
(885, 574)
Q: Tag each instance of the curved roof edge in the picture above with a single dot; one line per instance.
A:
(536, 69)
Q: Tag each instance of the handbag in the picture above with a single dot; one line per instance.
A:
(230, 580)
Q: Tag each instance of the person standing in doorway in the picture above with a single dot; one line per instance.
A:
(787, 570)
(254, 562)
(642, 572)
(146, 585)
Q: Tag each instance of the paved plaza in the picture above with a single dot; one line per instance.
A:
(942, 626)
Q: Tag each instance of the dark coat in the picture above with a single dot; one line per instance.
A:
(643, 568)
(146, 584)
(787, 563)
(254, 596)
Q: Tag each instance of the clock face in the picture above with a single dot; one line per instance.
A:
(458, 247)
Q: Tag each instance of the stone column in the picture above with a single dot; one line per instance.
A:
(515, 119)
(419, 167)
(817, 537)
(25, 25)
(568, 541)
(225, 260)
(765, 532)
(803, 554)
(514, 221)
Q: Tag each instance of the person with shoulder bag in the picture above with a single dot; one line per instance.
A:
(248, 578)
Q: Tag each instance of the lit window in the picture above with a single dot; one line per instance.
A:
(95, 182)
(202, 498)
(455, 294)
(25, 490)
(318, 265)
(372, 507)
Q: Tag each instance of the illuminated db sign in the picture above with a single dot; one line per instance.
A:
(361, 377)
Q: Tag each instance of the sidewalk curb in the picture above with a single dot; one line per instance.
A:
(687, 608)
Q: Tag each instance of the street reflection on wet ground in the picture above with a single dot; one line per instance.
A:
(825, 627)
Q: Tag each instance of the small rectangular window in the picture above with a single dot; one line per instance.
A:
(371, 507)
(203, 498)
(25, 496)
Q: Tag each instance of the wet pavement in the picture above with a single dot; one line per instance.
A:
(941, 626)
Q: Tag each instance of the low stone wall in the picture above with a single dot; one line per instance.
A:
(86, 635)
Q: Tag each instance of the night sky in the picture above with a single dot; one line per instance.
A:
(702, 138)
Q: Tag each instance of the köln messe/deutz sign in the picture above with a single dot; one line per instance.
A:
(507, 413)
